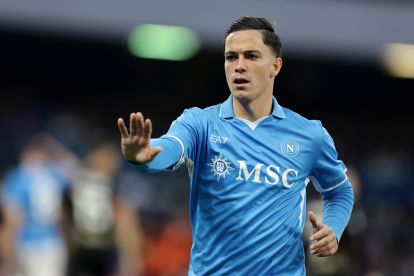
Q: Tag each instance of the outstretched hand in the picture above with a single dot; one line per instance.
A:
(136, 144)
(323, 239)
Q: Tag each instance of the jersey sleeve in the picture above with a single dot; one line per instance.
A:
(168, 159)
(187, 129)
(330, 179)
(337, 208)
(178, 144)
(12, 193)
(328, 171)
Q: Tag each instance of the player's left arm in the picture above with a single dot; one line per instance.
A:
(337, 207)
(330, 179)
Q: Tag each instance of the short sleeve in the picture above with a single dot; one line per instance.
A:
(12, 193)
(328, 171)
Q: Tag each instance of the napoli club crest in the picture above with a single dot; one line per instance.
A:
(290, 148)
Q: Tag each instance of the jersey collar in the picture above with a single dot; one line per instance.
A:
(226, 109)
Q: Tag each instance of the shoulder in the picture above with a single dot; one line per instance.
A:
(197, 113)
(313, 128)
(14, 175)
(13, 182)
(294, 118)
(213, 110)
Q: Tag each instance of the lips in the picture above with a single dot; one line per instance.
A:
(240, 83)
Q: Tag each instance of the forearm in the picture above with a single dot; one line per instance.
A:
(337, 208)
(167, 158)
(8, 242)
(129, 241)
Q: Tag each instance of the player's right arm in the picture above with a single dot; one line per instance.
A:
(164, 153)
(167, 152)
(135, 143)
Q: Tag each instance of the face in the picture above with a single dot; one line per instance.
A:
(250, 66)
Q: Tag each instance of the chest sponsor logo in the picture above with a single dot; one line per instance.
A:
(218, 139)
(290, 148)
(220, 166)
(272, 174)
(260, 173)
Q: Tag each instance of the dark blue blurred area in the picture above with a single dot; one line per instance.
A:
(75, 89)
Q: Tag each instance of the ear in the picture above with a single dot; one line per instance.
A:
(276, 66)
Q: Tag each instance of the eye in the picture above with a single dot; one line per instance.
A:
(231, 57)
(251, 56)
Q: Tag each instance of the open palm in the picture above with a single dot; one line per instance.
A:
(135, 144)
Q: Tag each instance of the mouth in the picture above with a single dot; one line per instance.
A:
(240, 82)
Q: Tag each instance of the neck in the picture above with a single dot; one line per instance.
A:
(254, 110)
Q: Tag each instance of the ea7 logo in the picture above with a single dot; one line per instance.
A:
(273, 174)
(218, 139)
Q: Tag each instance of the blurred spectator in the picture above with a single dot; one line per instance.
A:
(31, 241)
(161, 199)
(388, 244)
(104, 235)
(167, 254)
(73, 130)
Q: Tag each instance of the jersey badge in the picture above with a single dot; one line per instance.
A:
(220, 166)
(290, 148)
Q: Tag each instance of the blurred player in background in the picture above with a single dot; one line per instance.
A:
(104, 235)
(32, 242)
(250, 161)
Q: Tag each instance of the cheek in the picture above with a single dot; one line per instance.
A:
(263, 74)
(266, 73)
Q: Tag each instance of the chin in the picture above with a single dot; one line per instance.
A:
(241, 95)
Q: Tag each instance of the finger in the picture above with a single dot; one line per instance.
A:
(313, 219)
(153, 152)
(122, 128)
(331, 248)
(319, 247)
(325, 231)
(323, 242)
(133, 124)
(326, 253)
(147, 129)
(140, 123)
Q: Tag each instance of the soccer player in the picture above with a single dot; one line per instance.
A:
(249, 161)
(32, 241)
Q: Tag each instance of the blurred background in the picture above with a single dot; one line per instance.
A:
(68, 70)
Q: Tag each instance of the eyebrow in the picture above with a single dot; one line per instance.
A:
(245, 52)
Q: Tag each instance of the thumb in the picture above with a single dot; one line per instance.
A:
(313, 219)
(153, 152)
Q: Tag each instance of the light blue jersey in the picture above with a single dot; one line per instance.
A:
(248, 187)
(35, 192)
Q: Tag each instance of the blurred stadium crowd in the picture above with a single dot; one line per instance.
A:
(74, 207)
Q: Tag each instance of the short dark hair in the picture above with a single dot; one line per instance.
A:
(270, 38)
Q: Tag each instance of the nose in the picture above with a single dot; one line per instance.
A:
(241, 65)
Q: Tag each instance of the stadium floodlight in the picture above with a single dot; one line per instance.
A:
(163, 42)
(398, 60)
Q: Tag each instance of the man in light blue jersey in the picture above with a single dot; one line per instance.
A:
(250, 161)
(32, 242)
